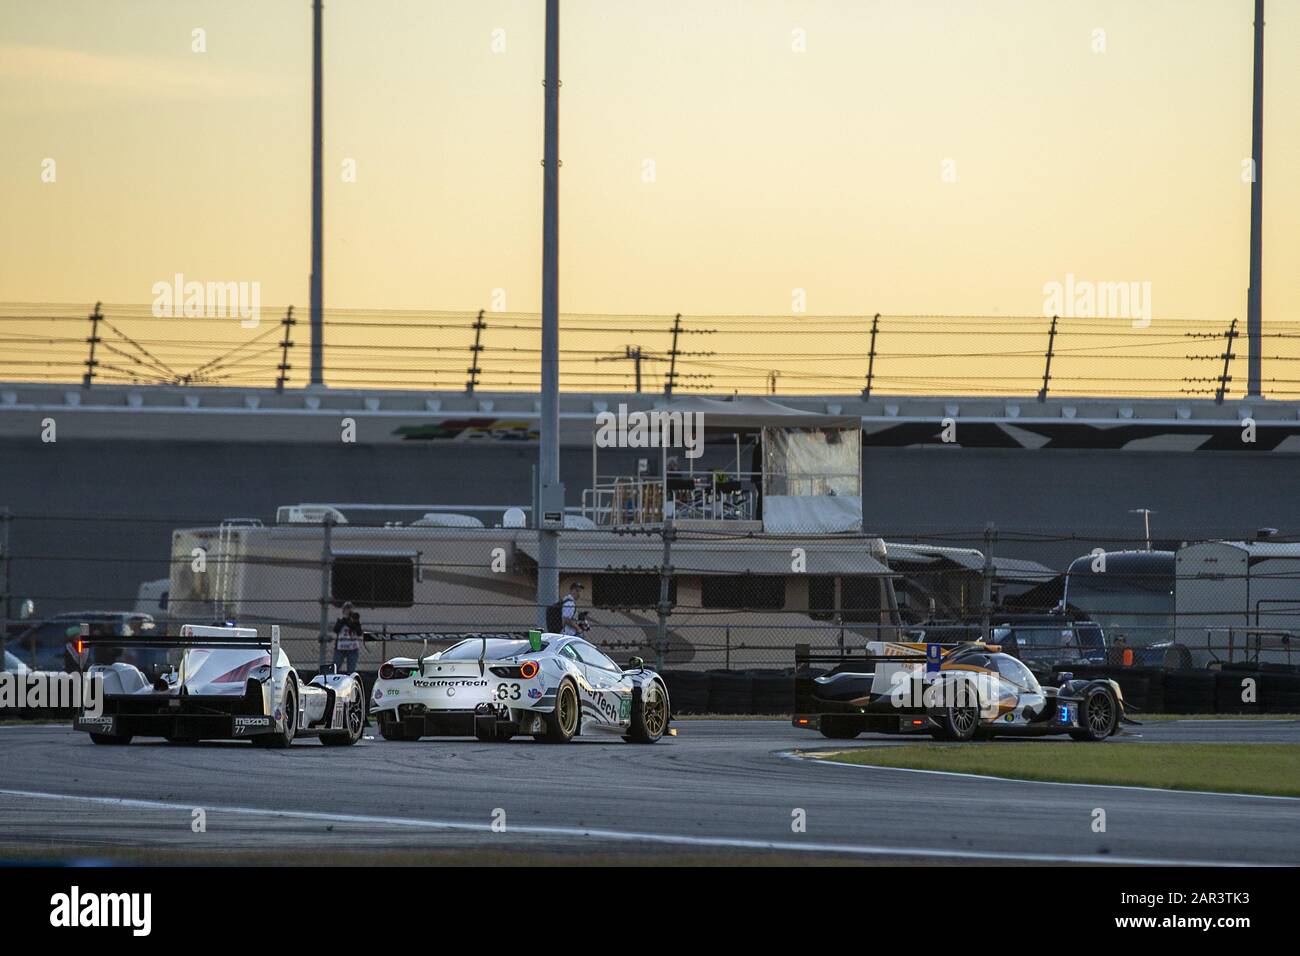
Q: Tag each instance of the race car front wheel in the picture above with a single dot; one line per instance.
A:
(1098, 714)
(354, 720)
(284, 737)
(562, 722)
(649, 714)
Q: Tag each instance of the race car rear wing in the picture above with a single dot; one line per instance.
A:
(191, 635)
(197, 636)
(904, 652)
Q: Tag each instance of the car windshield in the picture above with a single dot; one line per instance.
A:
(1018, 673)
(589, 655)
(497, 649)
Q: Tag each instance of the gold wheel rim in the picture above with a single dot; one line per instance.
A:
(654, 714)
(568, 709)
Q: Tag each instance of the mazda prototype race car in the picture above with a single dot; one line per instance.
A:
(549, 686)
(221, 687)
(950, 691)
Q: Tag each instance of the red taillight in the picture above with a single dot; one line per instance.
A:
(242, 673)
(389, 672)
(528, 670)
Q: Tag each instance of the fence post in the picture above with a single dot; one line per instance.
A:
(671, 380)
(1047, 369)
(285, 345)
(89, 377)
(871, 357)
(1225, 378)
(6, 568)
(990, 536)
(326, 566)
(665, 579)
(474, 350)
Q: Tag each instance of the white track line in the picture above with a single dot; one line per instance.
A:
(1223, 720)
(806, 758)
(627, 836)
(28, 726)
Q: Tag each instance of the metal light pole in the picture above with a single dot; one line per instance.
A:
(317, 210)
(1146, 514)
(1254, 305)
(551, 492)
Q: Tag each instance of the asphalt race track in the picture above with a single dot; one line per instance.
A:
(721, 790)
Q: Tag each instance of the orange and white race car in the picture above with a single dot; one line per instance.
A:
(949, 691)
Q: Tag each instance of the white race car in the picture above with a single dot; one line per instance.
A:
(549, 686)
(220, 687)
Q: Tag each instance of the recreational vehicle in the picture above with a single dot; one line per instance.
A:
(1239, 601)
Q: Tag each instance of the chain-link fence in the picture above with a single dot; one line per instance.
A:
(707, 599)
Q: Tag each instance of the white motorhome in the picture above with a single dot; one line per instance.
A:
(735, 602)
(1239, 600)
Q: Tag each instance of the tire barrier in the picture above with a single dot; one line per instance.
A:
(1231, 686)
(773, 693)
(1280, 692)
(729, 693)
(1147, 689)
(688, 691)
(1189, 692)
(1276, 689)
(1143, 687)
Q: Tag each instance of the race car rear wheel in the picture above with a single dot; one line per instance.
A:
(354, 720)
(649, 714)
(1098, 714)
(562, 722)
(111, 740)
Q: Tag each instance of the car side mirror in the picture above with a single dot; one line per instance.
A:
(636, 664)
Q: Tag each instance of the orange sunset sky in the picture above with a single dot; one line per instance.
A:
(794, 145)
